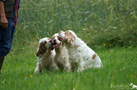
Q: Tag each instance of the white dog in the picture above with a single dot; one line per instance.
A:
(80, 54)
(61, 58)
(133, 86)
(45, 56)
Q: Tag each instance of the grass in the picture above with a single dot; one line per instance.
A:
(119, 69)
(107, 21)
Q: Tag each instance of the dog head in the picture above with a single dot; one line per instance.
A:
(69, 36)
(56, 40)
(44, 44)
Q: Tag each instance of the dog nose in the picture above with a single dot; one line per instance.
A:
(54, 40)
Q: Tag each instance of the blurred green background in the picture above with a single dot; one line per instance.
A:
(97, 22)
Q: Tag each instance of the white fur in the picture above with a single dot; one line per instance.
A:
(61, 58)
(80, 54)
(46, 60)
(133, 86)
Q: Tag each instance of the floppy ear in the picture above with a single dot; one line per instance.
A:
(69, 37)
(41, 49)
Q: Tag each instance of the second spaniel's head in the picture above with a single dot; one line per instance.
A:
(44, 44)
(69, 36)
(56, 40)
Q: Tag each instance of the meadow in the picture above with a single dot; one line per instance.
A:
(118, 72)
(109, 27)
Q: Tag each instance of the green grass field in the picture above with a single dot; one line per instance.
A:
(120, 68)
(109, 27)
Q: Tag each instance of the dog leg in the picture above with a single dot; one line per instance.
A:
(67, 68)
(53, 67)
(81, 67)
(38, 69)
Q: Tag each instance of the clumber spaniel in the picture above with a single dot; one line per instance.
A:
(80, 55)
(45, 56)
(61, 58)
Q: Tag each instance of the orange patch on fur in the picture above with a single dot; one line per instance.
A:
(76, 46)
(94, 56)
(41, 49)
(67, 32)
(69, 36)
